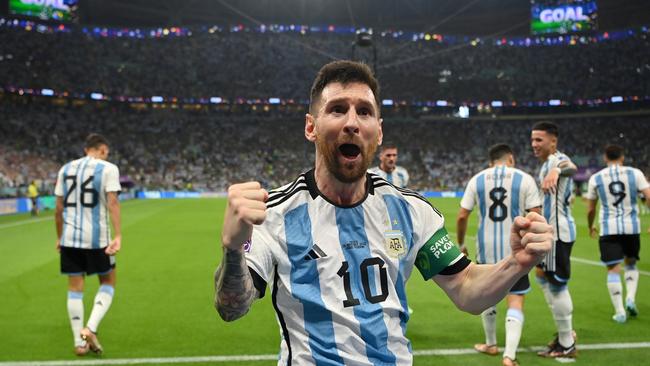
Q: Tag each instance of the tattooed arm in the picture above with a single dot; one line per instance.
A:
(234, 286)
(233, 282)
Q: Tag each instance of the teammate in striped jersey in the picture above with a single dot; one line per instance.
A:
(502, 193)
(86, 191)
(617, 186)
(338, 245)
(555, 270)
(388, 168)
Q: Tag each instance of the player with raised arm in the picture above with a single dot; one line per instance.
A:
(553, 274)
(388, 168)
(502, 193)
(617, 186)
(338, 244)
(86, 195)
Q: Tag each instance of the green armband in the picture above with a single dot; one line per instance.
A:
(436, 254)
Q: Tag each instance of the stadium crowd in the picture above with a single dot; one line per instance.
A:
(262, 65)
(178, 149)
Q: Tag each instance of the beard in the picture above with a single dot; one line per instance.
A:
(346, 172)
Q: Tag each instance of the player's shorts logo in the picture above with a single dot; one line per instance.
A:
(395, 243)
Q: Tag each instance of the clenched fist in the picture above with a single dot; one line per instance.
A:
(246, 207)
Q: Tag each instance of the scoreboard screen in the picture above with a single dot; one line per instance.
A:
(61, 10)
(563, 16)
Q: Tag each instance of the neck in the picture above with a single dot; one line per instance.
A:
(615, 162)
(386, 169)
(337, 192)
(92, 154)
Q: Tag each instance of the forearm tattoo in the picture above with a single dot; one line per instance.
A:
(234, 287)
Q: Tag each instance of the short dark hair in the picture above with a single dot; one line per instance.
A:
(614, 152)
(344, 72)
(387, 145)
(95, 140)
(547, 126)
(498, 151)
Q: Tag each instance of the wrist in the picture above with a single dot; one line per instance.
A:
(558, 170)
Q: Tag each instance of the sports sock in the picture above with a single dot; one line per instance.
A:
(546, 290)
(514, 325)
(76, 315)
(631, 274)
(103, 301)
(489, 318)
(563, 314)
(615, 288)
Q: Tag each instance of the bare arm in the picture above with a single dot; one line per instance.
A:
(233, 283)
(114, 211)
(567, 168)
(461, 228)
(591, 215)
(646, 194)
(58, 219)
(478, 287)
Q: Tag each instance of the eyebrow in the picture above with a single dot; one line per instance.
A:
(363, 102)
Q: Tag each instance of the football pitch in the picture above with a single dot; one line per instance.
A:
(163, 308)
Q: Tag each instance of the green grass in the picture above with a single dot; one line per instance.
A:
(164, 295)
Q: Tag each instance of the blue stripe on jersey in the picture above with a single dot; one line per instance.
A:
(547, 196)
(604, 223)
(65, 209)
(398, 210)
(305, 287)
(567, 209)
(620, 225)
(516, 187)
(97, 185)
(480, 189)
(372, 329)
(80, 200)
(495, 232)
(389, 177)
(503, 177)
(633, 192)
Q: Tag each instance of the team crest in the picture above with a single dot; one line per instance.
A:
(395, 243)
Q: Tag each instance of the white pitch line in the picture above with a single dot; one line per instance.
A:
(241, 358)
(25, 222)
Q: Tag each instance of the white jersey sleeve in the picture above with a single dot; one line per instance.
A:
(641, 182)
(259, 253)
(112, 175)
(58, 188)
(532, 196)
(592, 193)
(469, 197)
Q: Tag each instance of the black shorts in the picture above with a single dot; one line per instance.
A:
(559, 271)
(614, 248)
(77, 261)
(521, 287)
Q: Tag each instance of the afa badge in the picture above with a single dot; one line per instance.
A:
(395, 243)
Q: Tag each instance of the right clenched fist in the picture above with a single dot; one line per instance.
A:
(246, 207)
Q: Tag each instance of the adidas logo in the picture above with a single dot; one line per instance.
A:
(616, 293)
(76, 318)
(315, 253)
(629, 279)
(99, 303)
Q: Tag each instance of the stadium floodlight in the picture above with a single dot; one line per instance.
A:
(617, 99)
(274, 100)
(387, 102)
(441, 103)
(96, 96)
(497, 103)
(156, 99)
(48, 92)
(364, 38)
(554, 102)
(215, 100)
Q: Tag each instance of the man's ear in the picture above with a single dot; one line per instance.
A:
(310, 127)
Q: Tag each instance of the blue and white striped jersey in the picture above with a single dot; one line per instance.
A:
(338, 274)
(398, 177)
(618, 188)
(83, 184)
(502, 193)
(556, 207)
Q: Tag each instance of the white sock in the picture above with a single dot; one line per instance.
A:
(514, 325)
(563, 314)
(76, 315)
(631, 274)
(489, 318)
(546, 290)
(615, 288)
(103, 301)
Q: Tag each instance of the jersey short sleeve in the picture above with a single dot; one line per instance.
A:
(259, 253)
(112, 179)
(592, 193)
(58, 188)
(438, 252)
(469, 197)
(406, 177)
(533, 198)
(641, 182)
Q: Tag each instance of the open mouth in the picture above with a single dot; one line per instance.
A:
(350, 151)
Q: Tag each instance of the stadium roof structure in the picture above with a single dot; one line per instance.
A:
(461, 17)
